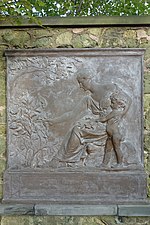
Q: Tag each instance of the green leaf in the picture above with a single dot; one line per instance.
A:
(33, 9)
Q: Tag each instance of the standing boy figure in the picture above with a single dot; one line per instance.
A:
(120, 103)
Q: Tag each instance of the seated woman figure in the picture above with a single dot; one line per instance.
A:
(74, 146)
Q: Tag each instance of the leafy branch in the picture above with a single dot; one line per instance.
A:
(33, 10)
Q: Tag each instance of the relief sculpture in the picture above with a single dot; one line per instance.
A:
(74, 126)
(109, 104)
(64, 114)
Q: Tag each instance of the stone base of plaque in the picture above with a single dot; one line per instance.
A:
(74, 187)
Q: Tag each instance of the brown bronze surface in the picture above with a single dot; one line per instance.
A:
(75, 129)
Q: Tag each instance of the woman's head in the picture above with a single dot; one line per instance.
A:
(84, 79)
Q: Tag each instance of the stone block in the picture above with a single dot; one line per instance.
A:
(16, 209)
(78, 210)
(43, 42)
(101, 187)
(16, 38)
(83, 41)
(134, 210)
(147, 82)
(64, 39)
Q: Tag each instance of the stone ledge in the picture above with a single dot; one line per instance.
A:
(82, 21)
(75, 210)
(134, 210)
(16, 209)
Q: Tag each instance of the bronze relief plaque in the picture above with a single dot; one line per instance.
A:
(74, 126)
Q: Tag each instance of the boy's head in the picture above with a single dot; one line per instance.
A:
(117, 102)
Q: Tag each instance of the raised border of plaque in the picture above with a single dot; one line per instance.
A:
(75, 126)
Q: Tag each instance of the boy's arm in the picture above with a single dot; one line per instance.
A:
(108, 117)
(129, 101)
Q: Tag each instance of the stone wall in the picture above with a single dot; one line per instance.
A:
(102, 37)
